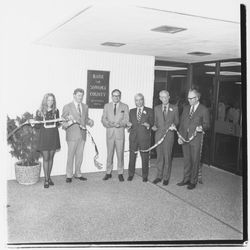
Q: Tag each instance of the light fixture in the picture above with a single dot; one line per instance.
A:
(198, 53)
(113, 44)
(168, 29)
(169, 68)
(178, 76)
(224, 73)
(224, 64)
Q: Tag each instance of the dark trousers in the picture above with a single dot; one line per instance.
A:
(134, 146)
(164, 157)
(191, 154)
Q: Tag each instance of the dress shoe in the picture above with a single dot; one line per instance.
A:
(107, 176)
(51, 183)
(191, 186)
(68, 180)
(157, 180)
(130, 178)
(182, 183)
(165, 182)
(145, 179)
(81, 178)
(120, 177)
(46, 184)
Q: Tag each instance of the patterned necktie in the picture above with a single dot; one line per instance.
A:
(79, 109)
(139, 115)
(165, 112)
(191, 112)
(115, 109)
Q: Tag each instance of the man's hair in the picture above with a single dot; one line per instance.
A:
(116, 90)
(78, 90)
(196, 91)
(140, 95)
(164, 91)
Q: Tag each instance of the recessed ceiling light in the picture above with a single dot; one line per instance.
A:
(198, 53)
(168, 29)
(225, 73)
(237, 82)
(113, 44)
(224, 64)
(169, 68)
(174, 76)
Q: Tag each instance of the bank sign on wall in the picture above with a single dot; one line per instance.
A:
(97, 89)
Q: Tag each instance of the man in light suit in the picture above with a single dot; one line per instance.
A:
(141, 119)
(195, 117)
(165, 115)
(115, 118)
(75, 136)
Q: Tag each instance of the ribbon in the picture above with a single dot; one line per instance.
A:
(33, 122)
(28, 122)
(171, 128)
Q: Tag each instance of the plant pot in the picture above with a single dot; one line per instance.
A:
(27, 175)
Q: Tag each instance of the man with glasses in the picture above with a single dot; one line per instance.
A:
(194, 118)
(115, 118)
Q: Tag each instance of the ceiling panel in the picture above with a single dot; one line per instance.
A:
(132, 24)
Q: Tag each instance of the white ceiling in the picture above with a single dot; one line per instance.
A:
(131, 23)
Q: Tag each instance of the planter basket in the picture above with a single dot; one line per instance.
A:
(27, 175)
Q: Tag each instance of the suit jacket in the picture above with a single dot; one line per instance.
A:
(161, 124)
(74, 132)
(199, 118)
(139, 132)
(122, 117)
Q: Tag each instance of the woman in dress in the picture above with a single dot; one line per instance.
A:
(48, 140)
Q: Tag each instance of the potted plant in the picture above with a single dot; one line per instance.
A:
(23, 145)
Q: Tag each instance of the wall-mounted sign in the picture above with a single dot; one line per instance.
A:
(97, 89)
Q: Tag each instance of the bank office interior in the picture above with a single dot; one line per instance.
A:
(220, 85)
(174, 57)
(206, 56)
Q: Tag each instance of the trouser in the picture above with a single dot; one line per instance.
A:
(134, 146)
(191, 153)
(164, 157)
(114, 144)
(75, 153)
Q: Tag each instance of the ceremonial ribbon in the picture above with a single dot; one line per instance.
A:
(171, 128)
(33, 122)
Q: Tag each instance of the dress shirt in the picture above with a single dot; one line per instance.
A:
(166, 107)
(195, 107)
(138, 110)
(76, 105)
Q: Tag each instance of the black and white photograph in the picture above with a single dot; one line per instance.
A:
(123, 123)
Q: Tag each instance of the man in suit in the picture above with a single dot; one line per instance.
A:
(115, 118)
(165, 116)
(141, 119)
(75, 136)
(195, 117)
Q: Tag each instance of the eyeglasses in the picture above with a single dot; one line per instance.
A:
(116, 95)
(191, 98)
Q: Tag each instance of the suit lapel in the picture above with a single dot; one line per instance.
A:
(73, 108)
(196, 111)
(142, 115)
(111, 110)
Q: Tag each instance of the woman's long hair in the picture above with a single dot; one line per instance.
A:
(44, 106)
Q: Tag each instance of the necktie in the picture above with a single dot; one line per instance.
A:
(139, 115)
(191, 112)
(79, 109)
(115, 109)
(165, 112)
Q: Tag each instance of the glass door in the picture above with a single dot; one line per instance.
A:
(228, 127)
